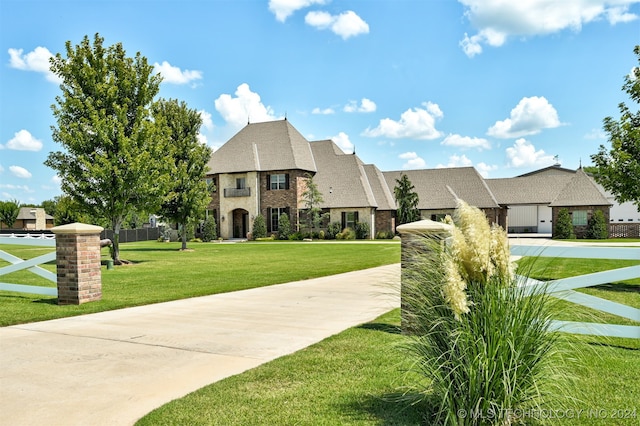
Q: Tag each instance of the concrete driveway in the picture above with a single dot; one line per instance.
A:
(112, 368)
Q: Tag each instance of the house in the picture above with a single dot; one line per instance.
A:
(33, 219)
(534, 199)
(264, 169)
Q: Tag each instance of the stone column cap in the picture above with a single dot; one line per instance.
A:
(77, 228)
(425, 227)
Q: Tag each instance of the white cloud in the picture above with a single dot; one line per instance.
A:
(456, 161)
(366, 105)
(414, 123)
(347, 24)
(326, 111)
(529, 117)
(496, 20)
(56, 179)
(207, 121)
(413, 161)
(466, 142)
(484, 169)
(342, 140)
(595, 133)
(285, 8)
(175, 75)
(524, 154)
(246, 106)
(20, 172)
(36, 60)
(23, 188)
(24, 141)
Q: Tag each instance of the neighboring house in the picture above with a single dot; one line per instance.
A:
(534, 199)
(439, 189)
(263, 170)
(33, 219)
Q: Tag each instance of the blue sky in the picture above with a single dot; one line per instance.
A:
(500, 85)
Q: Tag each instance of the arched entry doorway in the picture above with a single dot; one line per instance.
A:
(240, 223)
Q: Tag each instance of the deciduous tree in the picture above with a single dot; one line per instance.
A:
(9, 211)
(187, 195)
(112, 158)
(619, 166)
(312, 198)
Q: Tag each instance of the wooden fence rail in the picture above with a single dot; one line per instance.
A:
(565, 288)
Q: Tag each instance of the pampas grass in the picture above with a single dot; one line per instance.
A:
(480, 346)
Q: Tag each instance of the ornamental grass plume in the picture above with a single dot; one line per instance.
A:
(480, 347)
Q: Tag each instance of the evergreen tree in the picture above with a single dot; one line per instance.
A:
(563, 228)
(313, 199)
(259, 229)
(284, 227)
(597, 228)
(407, 201)
(209, 229)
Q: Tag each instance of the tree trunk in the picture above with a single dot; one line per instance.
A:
(115, 248)
(184, 236)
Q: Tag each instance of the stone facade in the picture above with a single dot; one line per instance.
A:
(78, 263)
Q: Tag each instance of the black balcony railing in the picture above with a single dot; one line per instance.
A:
(237, 192)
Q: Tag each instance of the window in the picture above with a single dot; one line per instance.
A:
(579, 217)
(349, 220)
(241, 183)
(277, 181)
(211, 184)
(274, 214)
(439, 217)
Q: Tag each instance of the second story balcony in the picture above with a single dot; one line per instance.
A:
(237, 192)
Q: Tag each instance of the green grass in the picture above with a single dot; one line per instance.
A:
(160, 272)
(353, 378)
(347, 379)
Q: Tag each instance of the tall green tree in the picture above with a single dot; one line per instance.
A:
(9, 212)
(188, 194)
(313, 199)
(619, 166)
(407, 201)
(112, 159)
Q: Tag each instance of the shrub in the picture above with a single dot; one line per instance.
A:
(479, 343)
(321, 235)
(563, 229)
(597, 228)
(296, 236)
(333, 230)
(209, 232)
(284, 227)
(346, 234)
(384, 235)
(362, 230)
(259, 229)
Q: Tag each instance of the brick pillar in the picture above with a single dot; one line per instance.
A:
(78, 263)
(410, 234)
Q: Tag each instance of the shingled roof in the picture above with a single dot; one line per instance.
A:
(341, 177)
(528, 189)
(273, 145)
(441, 188)
(581, 190)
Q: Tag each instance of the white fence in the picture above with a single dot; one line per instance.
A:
(565, 288)
(31, 265)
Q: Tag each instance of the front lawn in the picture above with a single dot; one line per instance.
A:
(160, 272)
